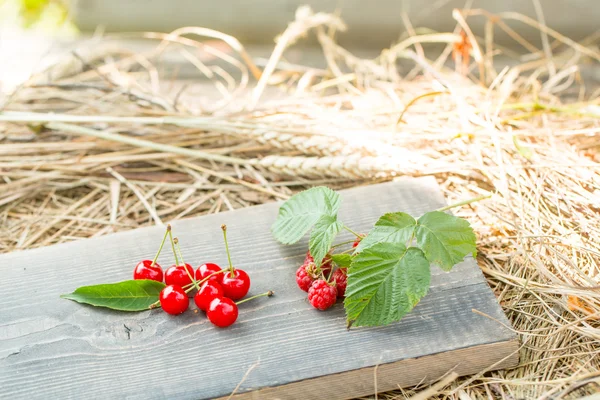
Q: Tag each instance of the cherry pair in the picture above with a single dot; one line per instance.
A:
(175, 275)
(221, 311)
(234, 282)
(216, 296)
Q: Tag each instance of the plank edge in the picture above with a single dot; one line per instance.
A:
(390, 376)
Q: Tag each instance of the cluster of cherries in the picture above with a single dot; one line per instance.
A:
(323, 286)
(217, 289)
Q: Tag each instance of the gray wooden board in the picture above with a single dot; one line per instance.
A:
(55, 348)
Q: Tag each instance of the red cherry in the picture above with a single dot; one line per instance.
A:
(222, 312)
(235, 287)
(173, 300)
(176, 275)
(206, 269)
(207, 293)
(145, 270)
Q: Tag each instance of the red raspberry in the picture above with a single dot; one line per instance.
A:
(312, 270)
(322, 295)
(325, 264)
(358, 239)
(340, 278)
(308, 258)
(303, 280)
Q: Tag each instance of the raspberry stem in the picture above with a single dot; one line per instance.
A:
(161, 245)
(329, 275)
(269, 294)
(346, 251)
(343, 243)
(352, 232)
(224, 229)
(176, 241)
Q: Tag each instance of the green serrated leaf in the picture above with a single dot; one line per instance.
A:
(445, 239)
(134, 295)
(301, 211)
(322, 235)
(395, 227)
(385, 282)
(342, 260)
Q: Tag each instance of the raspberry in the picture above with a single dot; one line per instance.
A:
(340, 278)
(303, 280)
(308, 272)
(312, 270)
(358, 239)
(321, 295)
(325, 264)
(308, 258)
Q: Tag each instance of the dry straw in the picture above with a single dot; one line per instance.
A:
(127, 147)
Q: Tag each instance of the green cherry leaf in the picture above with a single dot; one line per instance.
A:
(385, 282)
(134, 295)
(342, 260)
(301, 211)
(322, 235)
(397, 227)
(445, 239)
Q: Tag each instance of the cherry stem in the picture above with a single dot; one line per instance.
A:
(269, 294)
(161, 245)
(176, 241)
(173, 246)
(154, 305)
(200, 282)
(224, 228)
(352, 232)
(191, 287)
(343, 243)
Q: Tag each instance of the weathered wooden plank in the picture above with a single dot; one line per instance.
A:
(54, 348)
(408, 372)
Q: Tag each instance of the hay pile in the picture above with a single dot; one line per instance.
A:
(125, 149)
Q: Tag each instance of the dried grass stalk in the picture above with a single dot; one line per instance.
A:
(357, 122)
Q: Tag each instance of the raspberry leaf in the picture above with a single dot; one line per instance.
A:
(395, 227)
(445, 239)
(342, 260)
(385, 282)
(303, 210)
(134, 295)
(322, 235)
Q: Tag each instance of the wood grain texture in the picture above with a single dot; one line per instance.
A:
(409, 372)
(54, 348)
